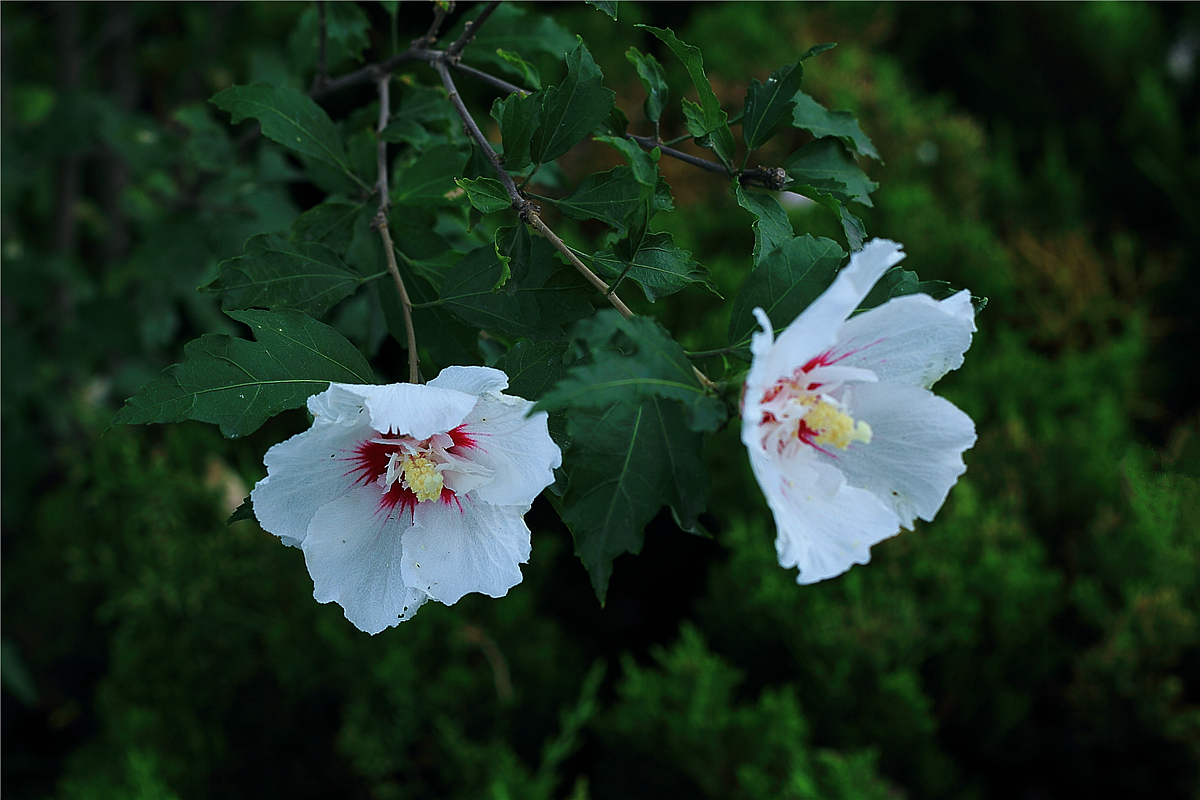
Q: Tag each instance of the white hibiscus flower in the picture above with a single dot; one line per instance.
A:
(406, 492)
(845, 438)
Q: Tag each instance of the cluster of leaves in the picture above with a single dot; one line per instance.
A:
(631, 412)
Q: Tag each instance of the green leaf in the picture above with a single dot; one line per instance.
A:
(485, 194)
(633, 360)
(659, 267)
(852, 226)
(783, 285)
(707, 119)
(512, 28)
(820, 121)
(238, 384)
(287, 117)
(607, 6)
(623, 462)
(817, 49)
(330, 224)
(571, 110)
(242, 512)
(541, 297)
(768, 108)
(518, 118)
(515, 65)
(897, 282)
(654, 81)
(533, 368)
(607, 196)
(827, 167)
(643, 163)
(430, 179)
(347, 24)
(277, 273)
(771, 226)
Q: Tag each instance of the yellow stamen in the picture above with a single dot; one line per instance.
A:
(834, 426)
(422, 477)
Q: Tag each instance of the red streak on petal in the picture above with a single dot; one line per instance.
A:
(462, 438)
(370, 460)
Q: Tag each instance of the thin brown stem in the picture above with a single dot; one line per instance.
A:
(536, 223)
(380, 223)
(455, 50)
(439, 16)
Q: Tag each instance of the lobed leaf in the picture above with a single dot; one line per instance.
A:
(239, 384)
(820, 122)
(768, 108)
(287, 117)
(783, 285)
(633, 360)
(541, 297)
(897, 282)
(330, 224)
(643, 163)
(518, 118)
(827, 167)
(659, 266)
(653, 79)
(706, 121)
(485, 194)
(571, 110)
(277, 273)
(771, 226)
(624, 461)
(430, 179)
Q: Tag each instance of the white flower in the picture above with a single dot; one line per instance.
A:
(845, 438)
(404, 492)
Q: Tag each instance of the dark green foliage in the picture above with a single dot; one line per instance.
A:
(1037, 640)
(239, 385)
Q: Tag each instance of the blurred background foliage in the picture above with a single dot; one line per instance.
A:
(1041, 639)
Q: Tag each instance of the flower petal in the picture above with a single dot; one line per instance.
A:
(517, 448)
(824, 526)
(337, 404)
(471, 380)
(469, 546)
(304, 473)
(915, 453)
(912, 339)
(411, 409)
(354, 555)
(814, 330)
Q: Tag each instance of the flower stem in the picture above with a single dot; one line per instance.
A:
(380, 223)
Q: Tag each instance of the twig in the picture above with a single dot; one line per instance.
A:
(499, 83)
(696, 161)
(536, 223)
(380, 223)
(773, 178)
(527, 209)
(439, 16)
(454, 51)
